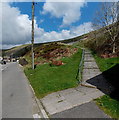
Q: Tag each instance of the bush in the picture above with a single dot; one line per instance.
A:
(56, 63)
(23, 62)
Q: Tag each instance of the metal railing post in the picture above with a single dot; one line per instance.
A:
(79, 75)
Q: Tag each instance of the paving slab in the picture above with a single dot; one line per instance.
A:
(89, 71)
(67, 91)
(57, 107)
(52, 98)
(66, 99)
(88, 55)
(87, 52)
(85, 89)
(88, 59)
(90, 65)
(90, 76)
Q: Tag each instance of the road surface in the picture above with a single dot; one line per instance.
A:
(87, 110)
(17, 98)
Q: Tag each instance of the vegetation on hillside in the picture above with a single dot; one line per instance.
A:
(106, 17)
(100, 44)
(46, 79)
(50, 52)
(20, 51)
(17, 51)
(104, 40)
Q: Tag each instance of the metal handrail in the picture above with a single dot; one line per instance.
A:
(80, 68)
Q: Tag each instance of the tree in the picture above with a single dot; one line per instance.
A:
(118, 11)
(107, 18)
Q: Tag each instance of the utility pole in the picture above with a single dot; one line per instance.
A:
(32, 46)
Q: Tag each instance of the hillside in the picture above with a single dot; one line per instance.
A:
(50, 52)
(101, 44)
(20, 51)
(98, 41)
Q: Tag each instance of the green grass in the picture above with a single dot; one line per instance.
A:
(46, 79)
(109, 106)
(106, 103)
(106, 63)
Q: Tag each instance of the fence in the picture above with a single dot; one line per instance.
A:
(80, 68)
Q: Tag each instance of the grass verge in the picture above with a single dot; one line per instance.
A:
(106, 103)
(106, 63)
(109, 106)
(46, 79)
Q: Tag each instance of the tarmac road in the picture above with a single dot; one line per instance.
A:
(17, 98)
(87, 110)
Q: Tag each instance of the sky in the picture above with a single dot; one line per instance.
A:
(53, 21)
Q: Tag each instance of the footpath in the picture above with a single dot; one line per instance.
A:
(65, 100)
(92, 76)
(90, 69)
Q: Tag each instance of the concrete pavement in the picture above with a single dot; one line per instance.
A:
(17, 98)
(92, 76)
(62, 103)
(69, 98)
(90, 69)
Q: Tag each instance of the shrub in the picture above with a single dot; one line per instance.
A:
(23, 61)
(56, 63)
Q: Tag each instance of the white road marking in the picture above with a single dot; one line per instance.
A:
(36, 116)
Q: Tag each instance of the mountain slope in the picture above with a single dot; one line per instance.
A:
(98, 41)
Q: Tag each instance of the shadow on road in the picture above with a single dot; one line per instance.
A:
(108, 82)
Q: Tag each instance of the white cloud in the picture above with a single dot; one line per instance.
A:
(16, 29)
(69, 11)
(54, 36)
(4, 46)
(65, 34)
(82, 29)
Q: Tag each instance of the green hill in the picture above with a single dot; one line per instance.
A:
(97, 41)
(20, 51)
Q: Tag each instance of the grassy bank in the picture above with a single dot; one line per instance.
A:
(109, 106)
(46, 79)
(106, 63)
(106, 103)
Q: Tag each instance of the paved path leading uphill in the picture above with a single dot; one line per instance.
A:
(92, 76)
(61, 103)
(90, 69)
